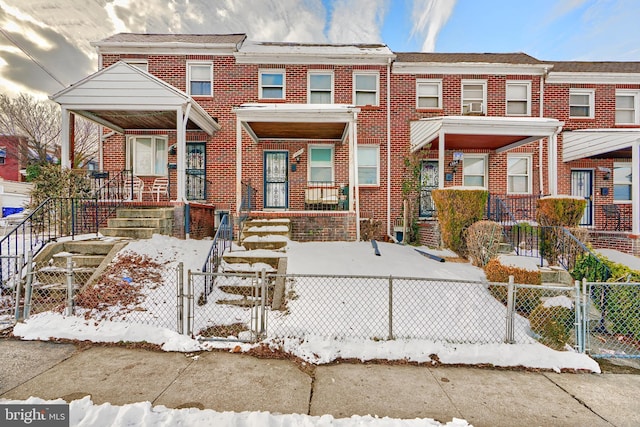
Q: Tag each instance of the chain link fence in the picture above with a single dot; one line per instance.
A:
(10, 289)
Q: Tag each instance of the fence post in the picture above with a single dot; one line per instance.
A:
(180, 296)
(18, 281)
(585, 314)
(510, 310)
(263, 296)
(69, 274)
(390, 307)
(28, 288)
(578, 319)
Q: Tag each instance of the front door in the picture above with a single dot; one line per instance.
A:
(428, 183)
(276, 179)
(195, 171)
(582, 186)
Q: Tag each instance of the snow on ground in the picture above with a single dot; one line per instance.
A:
(84, 412)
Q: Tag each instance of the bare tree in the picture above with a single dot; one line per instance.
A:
(37, 123)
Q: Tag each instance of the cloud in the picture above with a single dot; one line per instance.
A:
(357, 21)
(429, 16)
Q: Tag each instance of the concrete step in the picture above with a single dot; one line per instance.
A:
(145, 213)
(253, 257)
(271, 242)
(53, 276)
(133, 233)
(139, 222)
(267, 230)
(79, 260)
(505, 248)
(88, 247)
(262, 222)
(556, 275)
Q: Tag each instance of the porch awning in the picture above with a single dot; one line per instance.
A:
(598, 143)
(123, 97)
(467, 132)
(328, 122)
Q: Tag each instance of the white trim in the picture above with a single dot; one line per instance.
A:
(472, 101)
(468, 68)
(579, 144)
(438, 83)
(593, 78)
(592, 101)
(310, 148)
(364, 73)
(635, 93)
(527, 84)
(529, 173)
(485, 176)
(375, 147)
(629, 183)
(131, 156)
(199, 63)
(330, 73)
(280, 71)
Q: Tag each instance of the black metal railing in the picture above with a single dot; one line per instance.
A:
(248, 202)
(108, 197)
(518, 208)
(221, 243)
(326, 196)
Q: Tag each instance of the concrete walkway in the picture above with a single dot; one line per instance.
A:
(235, 382)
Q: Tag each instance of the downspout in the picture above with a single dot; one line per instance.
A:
(543, 79)
(389, 147)
(103, 138)
(356, 191)
(181, 169)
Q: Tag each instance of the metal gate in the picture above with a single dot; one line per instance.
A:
(11, 290)
(582, 186)
(196, 182)
(227, 307)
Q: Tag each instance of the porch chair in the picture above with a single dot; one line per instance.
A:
(160, 186)
(611, 213)
(133, 188)
(313, 196)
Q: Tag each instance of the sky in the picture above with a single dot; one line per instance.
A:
(45, 44)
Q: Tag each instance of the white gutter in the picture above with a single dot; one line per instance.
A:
(540, 142)
(389, 148)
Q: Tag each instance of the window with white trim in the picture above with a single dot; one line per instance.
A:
(428, 94)
(272, 84)
(365, 88)
(474, 171)
(518, 98)
(147, 155)
(581, 103)
(518, 174)
(368, 165)
(474, 95)
(627, 103)
(320, 164)
(200, 78)
(622, 175)
(320, 87)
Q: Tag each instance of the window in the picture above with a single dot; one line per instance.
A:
(272, 84)
(368, 165)
(627, 111)
(473, 97)
(320, 88)
(321, 163)
(622, 182)
(474, 171)
(429, 94)
(518, 96)
(365, 89)
(147, 155)
(519, 174)
(200, 78)
(3, 155)
(581, 103)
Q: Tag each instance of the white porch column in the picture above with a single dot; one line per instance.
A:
(635, 187)
(238, 166)
(353, 137)
(441, 164)
(180, 156)
(553, 164)
(64, 136)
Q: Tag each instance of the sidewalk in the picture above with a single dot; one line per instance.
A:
(235, 382)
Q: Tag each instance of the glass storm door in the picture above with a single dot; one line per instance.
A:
(195, 172)
(582, 186)
(428, 183)
(276, 179)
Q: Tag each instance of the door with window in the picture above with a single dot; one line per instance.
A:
(582, 186)
(195, 170)
(276, 179)
(428, 183)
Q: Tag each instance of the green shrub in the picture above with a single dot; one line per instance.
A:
(457, 210)
(553, 324)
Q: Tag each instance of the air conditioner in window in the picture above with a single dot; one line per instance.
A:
(475, 107)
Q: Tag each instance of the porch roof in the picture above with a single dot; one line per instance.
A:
(495, 133)
(328, 122)
(123, 97)
(598, 143)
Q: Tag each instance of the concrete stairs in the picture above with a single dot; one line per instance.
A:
(89, 259)
(140, 223)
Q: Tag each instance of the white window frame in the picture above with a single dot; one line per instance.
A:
(429, 82)
(468, 101)
(157, 169)
(311, 164)
(377, 89)
(142, 64)
(591, 93)
(375, 148)
(636, 106)
(310, 90)
(628, 183)
(485, 176)
(528, 174)
(262, 87)
(191, 64)
(527, 85)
